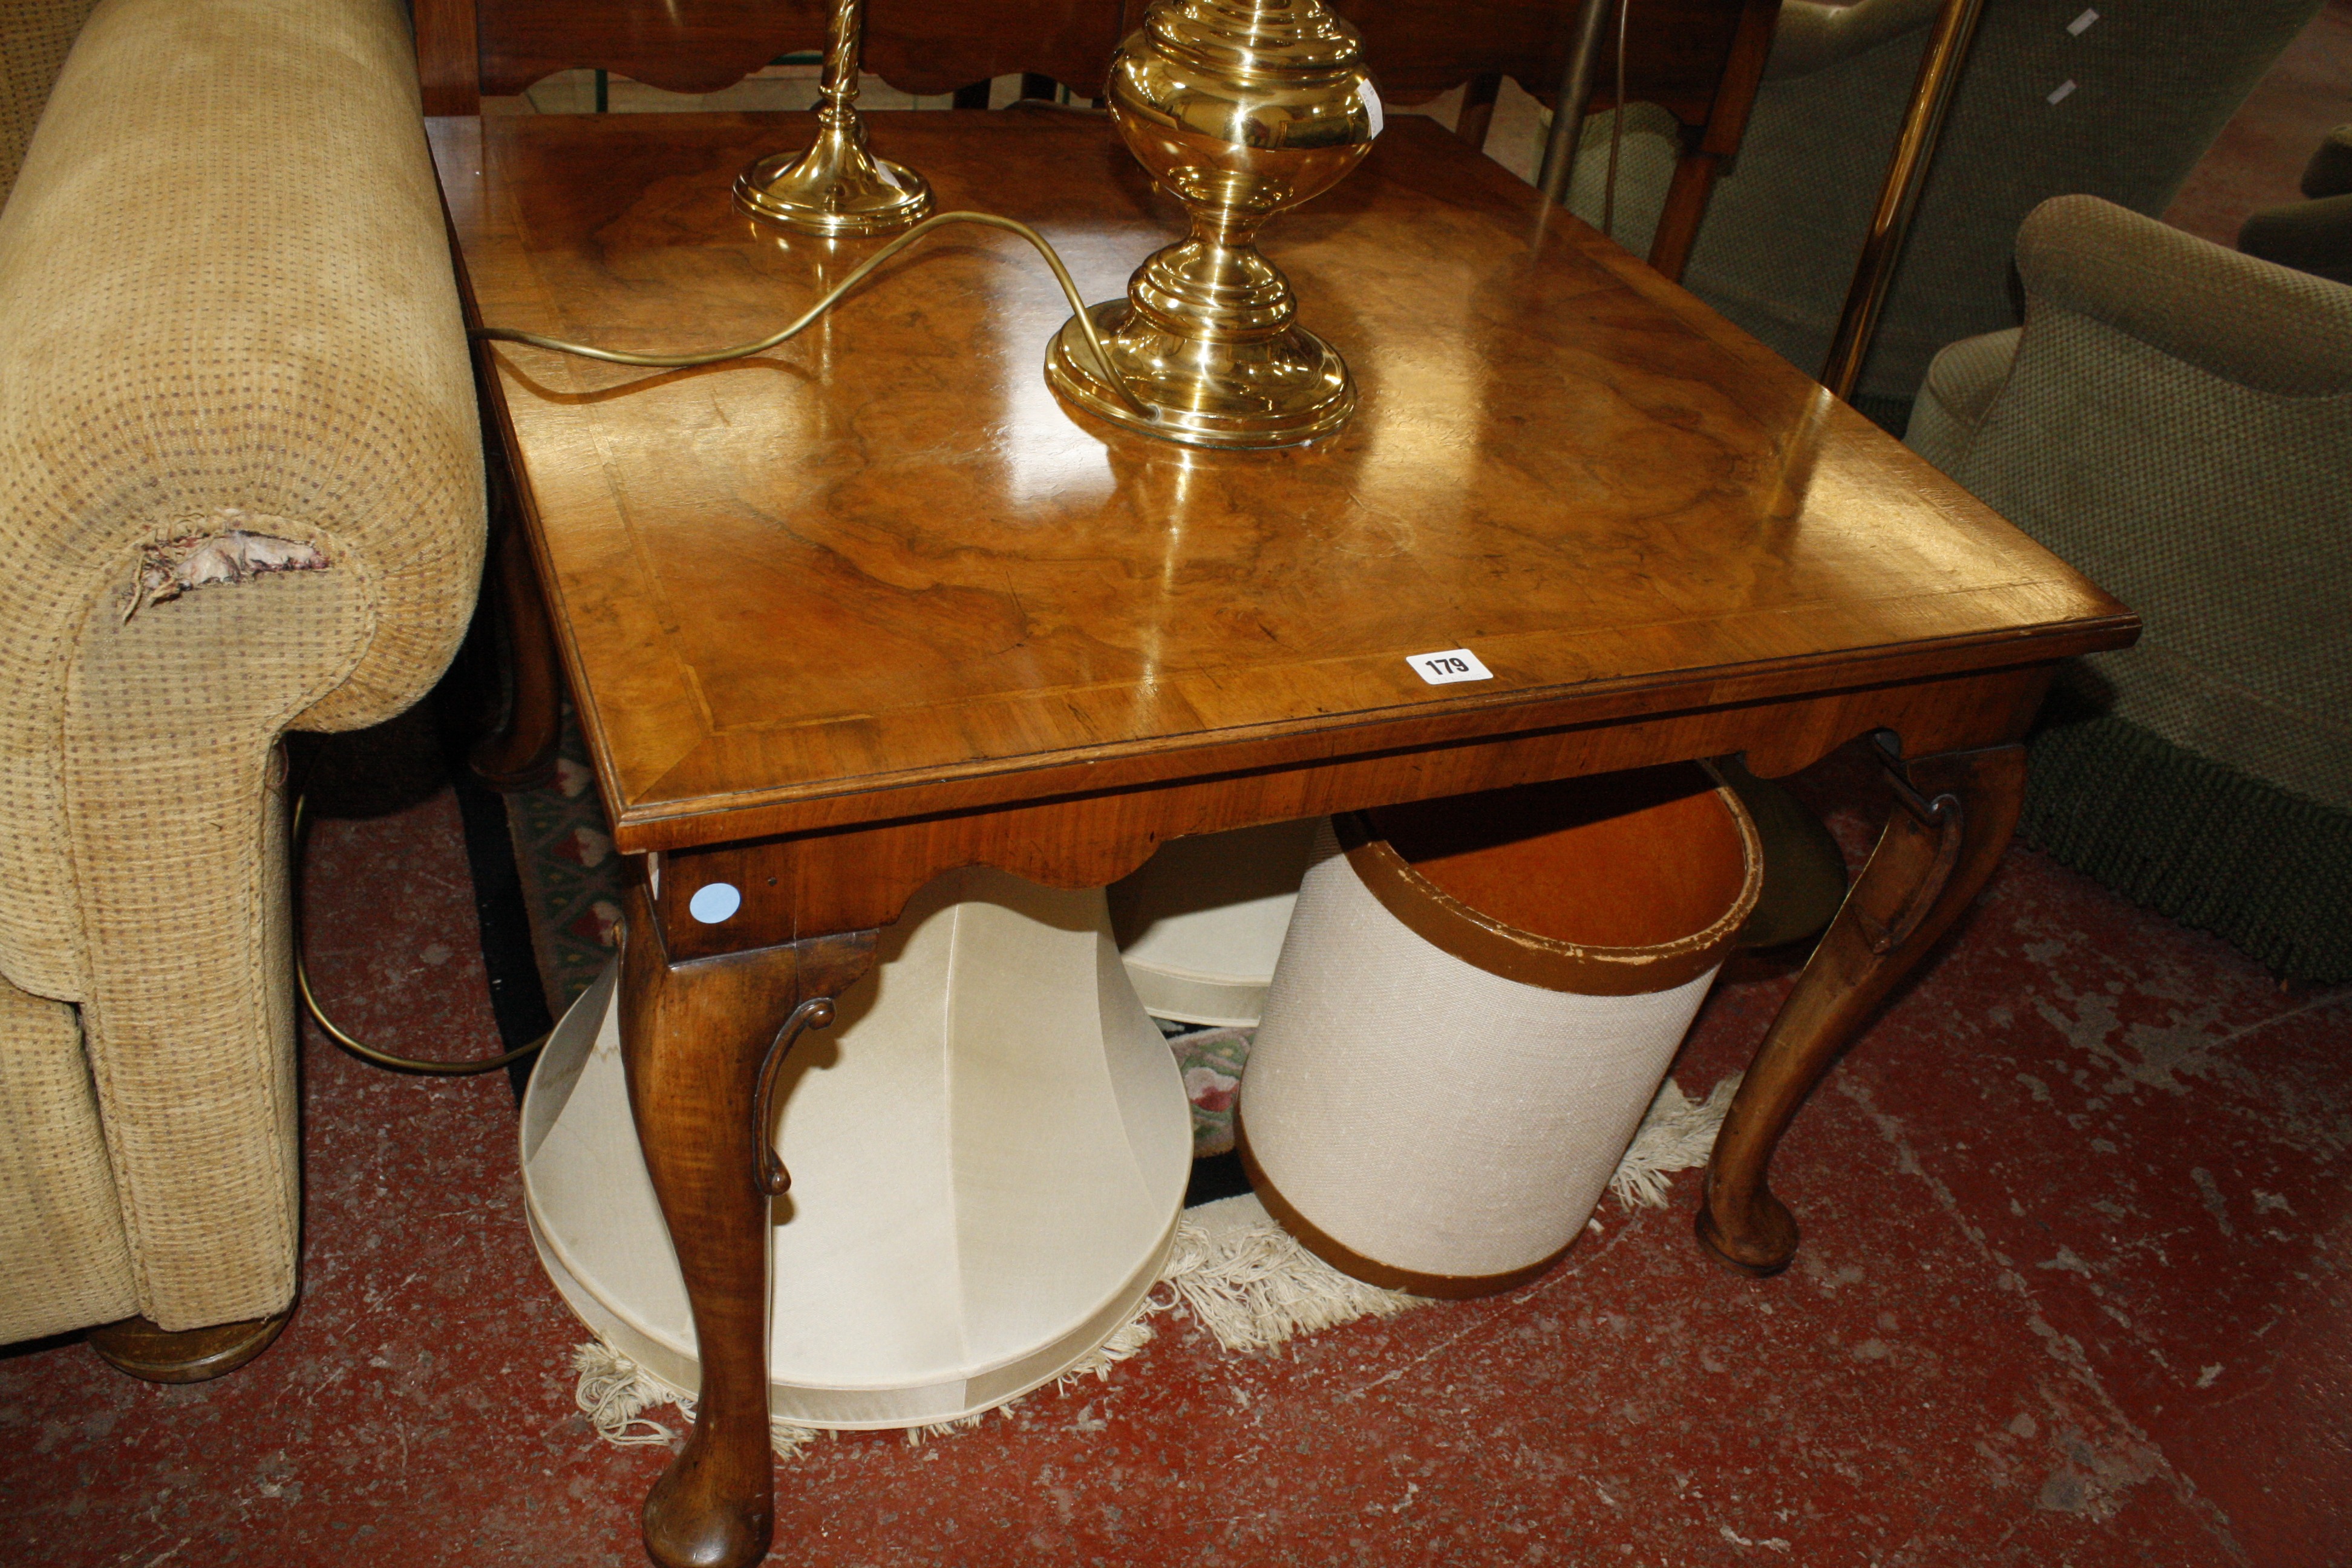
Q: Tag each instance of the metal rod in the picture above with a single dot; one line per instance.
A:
(1616, 127)
(1575, 95)
(1915, 147)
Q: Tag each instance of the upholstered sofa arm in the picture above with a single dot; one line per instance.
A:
(1812, 37)
(2314, 235)
(2310, 237)
(2174, 420)
(230, 338)
(2329, 172)
(1962, 382)
(2260, 326)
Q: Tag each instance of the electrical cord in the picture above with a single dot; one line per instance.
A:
(832, 297)
(359, 1049)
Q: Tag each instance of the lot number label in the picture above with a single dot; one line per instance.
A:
(1452, 664)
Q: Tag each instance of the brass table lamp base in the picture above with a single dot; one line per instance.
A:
(1240, 108)
(836, 188)
(1274, 391)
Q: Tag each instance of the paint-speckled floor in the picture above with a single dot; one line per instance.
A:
(2070, 1293)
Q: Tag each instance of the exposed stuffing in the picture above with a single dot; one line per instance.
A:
(217, 549)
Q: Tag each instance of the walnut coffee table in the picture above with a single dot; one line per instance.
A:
(874, 606)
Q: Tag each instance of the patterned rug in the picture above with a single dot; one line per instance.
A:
(571, 878)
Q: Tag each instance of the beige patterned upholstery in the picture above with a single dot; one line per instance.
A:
(34, 37)
(226, 300)
(63, 1259)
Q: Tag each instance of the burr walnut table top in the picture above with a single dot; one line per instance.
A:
(881, 573)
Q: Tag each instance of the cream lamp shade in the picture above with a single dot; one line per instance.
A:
(989, 1151)
(1200, 925)
(1477, 999)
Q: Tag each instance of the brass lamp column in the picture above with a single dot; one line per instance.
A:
(836, 188)
(1240, 108)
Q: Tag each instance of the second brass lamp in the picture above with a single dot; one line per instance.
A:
(836, 187)
(1241, 109)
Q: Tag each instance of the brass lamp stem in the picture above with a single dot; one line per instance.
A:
(836, 188)
(844, 40)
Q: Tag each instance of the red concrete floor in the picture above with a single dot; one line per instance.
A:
(2070, 1293)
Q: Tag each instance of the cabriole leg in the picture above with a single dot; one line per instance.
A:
(694, 1037)
(1953, 818)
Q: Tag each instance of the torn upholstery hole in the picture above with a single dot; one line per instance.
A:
(203, 550)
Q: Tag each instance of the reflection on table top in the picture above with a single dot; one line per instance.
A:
(885, 554)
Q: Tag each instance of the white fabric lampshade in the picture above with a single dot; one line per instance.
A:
(989, 1151)
(1477, 1000)
(1202, 925)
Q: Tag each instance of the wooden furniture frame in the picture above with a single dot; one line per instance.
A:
(1701, 60)
(466, 49)
(848, 616)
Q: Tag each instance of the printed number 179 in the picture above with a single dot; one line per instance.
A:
(1449, 664)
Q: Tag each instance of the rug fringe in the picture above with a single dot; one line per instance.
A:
(1249, 1282)
(1123, 1343)
(1233, 1269)
(1677, 1133)
(614, 1391)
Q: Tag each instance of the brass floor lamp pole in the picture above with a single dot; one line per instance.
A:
(1915, 147)
(1575, 96)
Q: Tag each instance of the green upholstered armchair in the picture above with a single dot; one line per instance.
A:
(2313, 235)
(241, 491)
(2122, 110)
(2175, 419)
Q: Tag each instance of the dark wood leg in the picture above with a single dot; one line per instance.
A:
(1685, 208)
(1941, 842)
(1477, 111)
(137, 1346)
(694, 1036)
(520, 752)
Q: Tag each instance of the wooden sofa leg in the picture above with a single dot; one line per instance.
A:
(520, 753)
(138, 1347)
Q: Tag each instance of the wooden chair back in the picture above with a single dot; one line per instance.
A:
(466, 49)
(1701, 60)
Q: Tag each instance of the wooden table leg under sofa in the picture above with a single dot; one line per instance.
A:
(874, 608)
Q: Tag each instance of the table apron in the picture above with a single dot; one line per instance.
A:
(795, 886)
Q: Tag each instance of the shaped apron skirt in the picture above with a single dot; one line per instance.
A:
(1477, 1002)
(989, 1151)
(1202, 925)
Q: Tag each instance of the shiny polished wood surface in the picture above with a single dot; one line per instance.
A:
(881, 571)
(874, 606)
